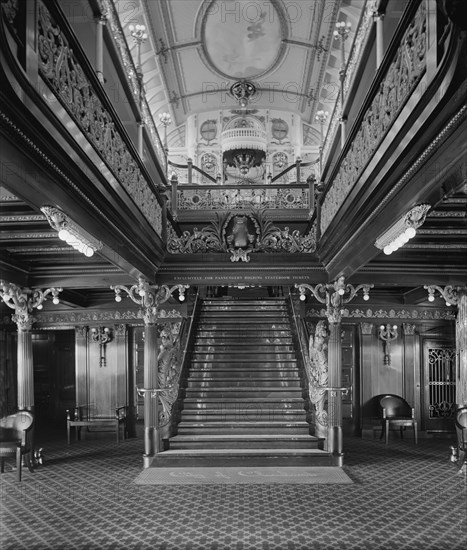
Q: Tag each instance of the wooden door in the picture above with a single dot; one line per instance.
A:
(439, 374)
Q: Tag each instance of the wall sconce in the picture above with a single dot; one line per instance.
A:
(387, 333)
(403, 230)
(102, 336)
(70, 232)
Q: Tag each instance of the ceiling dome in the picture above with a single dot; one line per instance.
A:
(242, 39)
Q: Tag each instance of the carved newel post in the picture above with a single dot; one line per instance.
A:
(457, 296)
(334, 295)
(150, 297)
(23, 301)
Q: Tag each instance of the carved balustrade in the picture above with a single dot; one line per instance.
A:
(401, 76)
(64, 69)
(227, 197)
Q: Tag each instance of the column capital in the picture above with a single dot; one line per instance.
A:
(408, 328)
(367, 328)
(23, 320)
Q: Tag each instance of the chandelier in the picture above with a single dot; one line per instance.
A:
(243, 91)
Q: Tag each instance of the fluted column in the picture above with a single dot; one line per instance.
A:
(151, 401)
(25, 372)
(335, 440)
(23, 301)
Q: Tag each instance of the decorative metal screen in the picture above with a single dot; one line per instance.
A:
(441, 382)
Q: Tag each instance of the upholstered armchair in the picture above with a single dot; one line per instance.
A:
(397, 413)
(461, 431)
(15, 439)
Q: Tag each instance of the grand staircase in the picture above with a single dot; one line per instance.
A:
(244, 394)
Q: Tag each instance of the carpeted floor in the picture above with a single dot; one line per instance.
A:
(403, 497)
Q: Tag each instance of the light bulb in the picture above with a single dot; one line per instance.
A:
(39, 306)
(366, 297)
(387, 250)
(182, 297)
(89, 252)
(447, 303)
(63, 234)
(56, 300)
(142, 292)
(410, 232)
(431, 298)
(341, 292)
(302, 297)
(118, 298)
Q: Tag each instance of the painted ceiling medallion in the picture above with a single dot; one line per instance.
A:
(242, 39)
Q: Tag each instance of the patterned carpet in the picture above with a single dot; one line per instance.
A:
(403, 497)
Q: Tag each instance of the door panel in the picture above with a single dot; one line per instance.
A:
(439, 359)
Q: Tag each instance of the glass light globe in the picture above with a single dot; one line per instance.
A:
(118, 298)
(410, 232)
(302, 297)
(56, 300)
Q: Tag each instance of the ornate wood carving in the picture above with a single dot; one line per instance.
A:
(401, 78)
(65, 76)
(220, 237)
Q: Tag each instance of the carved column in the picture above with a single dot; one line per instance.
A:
(150, 297)
(23, 301)
(335, 295)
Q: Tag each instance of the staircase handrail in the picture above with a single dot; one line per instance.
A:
(302, 334)
(191, 166)
(167, 415)
(292, 166)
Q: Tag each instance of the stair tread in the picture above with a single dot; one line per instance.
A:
(217, 437)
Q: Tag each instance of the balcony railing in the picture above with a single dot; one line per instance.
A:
(398, 79)
(294, 190)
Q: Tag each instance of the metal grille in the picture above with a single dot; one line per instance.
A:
(441, 382)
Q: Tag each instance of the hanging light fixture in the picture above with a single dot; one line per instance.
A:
(243, 91)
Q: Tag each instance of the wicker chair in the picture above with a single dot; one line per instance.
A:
(15, 439)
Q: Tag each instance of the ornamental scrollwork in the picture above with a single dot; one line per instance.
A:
(238, 198)
(401, 78)
(240, 235)
(169, 361)
(59, 67)
(317, 370)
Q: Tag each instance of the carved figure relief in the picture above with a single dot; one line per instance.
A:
(318, 376)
